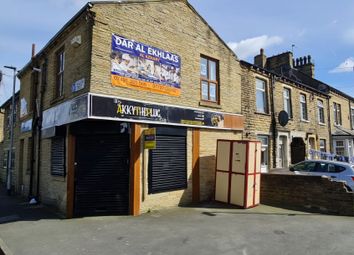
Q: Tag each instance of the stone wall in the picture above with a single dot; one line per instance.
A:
(313, 193)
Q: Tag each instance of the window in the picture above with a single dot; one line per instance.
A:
(305, 167)
(261, 96)
(209, 79)
(352, 116)
(320, 111)
(9, 112)
(303, 107)
(337, 114)
(287, 101)
(58, 156)
(59, 89)
(264, 152)
(323, 148)
(6, 159)
(339, 148)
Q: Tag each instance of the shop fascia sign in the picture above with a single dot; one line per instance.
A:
(95, 106)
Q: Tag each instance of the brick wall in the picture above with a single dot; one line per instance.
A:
(306, 192)
(171, 26)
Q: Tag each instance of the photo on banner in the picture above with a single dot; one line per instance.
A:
(139, 66)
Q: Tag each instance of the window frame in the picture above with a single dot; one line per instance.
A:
(320, 109)
(264, 92)
(209, 81)
(303, 107)
(337, 110)
(352, 116)
(341, 147)
(59, 73)
(289, 103)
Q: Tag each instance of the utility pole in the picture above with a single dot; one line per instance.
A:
(9, 162)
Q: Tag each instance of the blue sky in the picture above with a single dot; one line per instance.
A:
(322, 29)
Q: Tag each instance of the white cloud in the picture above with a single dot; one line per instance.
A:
(250, 47)
(346, 66)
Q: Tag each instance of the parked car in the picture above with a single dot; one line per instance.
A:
(340, 171)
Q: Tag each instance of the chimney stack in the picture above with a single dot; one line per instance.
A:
(305, 65)
(261, 59)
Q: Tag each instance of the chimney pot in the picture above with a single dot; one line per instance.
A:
(33, 50)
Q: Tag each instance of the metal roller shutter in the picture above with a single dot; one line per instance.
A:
(58, 156)
(167, 164)
(102, 175)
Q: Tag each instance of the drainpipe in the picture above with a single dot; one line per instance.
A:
(273, 123)
(39, 112)
(329, 125)
(34, 83)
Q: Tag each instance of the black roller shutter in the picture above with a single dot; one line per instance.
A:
(167, 163)
(58, 156)
(102, 175)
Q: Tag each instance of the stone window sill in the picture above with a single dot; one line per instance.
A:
(262, 113)
(210, 104)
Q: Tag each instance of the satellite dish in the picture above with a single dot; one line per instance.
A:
(283, 118)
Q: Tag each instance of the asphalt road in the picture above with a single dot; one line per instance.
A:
(204, 230)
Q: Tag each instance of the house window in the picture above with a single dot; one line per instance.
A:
(303, 107)
(264, 152)
(8, 117)
(287, 101)
(6, 159)
(320, 111)
(337, 114)
(339, 148)
(58, 156)
(261, 96)
(323, 148)
(60, 58)
(209, 79)
(352, 115)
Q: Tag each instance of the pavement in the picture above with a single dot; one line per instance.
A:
(210, 228)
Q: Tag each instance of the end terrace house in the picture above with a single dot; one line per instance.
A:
(116, 75)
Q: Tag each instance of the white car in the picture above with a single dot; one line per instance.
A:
(339, 171)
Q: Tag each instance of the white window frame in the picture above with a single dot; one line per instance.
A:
(336, 146)
(352, 116)
(320, 108)
(264, 94)
(287, 101)
(264, 146)
(303, 107)
(337, 110)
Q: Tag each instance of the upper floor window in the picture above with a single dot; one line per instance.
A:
(60, 61)
(209, 76)
(287, 102)
(352, 115)
(261, 96)
(320, 112)
(303, 107)
(337, 114)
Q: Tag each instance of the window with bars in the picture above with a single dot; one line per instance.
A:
(209, 79)
(303, 107)
(60, 63)
(337, 114)
(58, 156)
(261, 96)
(287, 102)
(320, 112)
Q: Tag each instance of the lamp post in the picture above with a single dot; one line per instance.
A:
(9, 162)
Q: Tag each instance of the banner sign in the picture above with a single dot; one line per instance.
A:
(107, 107)
(67, 112)
(143, 67)
(150, 138)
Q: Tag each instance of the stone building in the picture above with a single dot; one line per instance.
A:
(319, 114)
(5, 119)
(116, 75)
(265, 96)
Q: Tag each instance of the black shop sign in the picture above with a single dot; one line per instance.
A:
(122, 109)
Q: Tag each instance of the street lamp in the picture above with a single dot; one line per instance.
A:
(9, 162)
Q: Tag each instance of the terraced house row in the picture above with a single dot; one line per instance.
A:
(120, 73)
